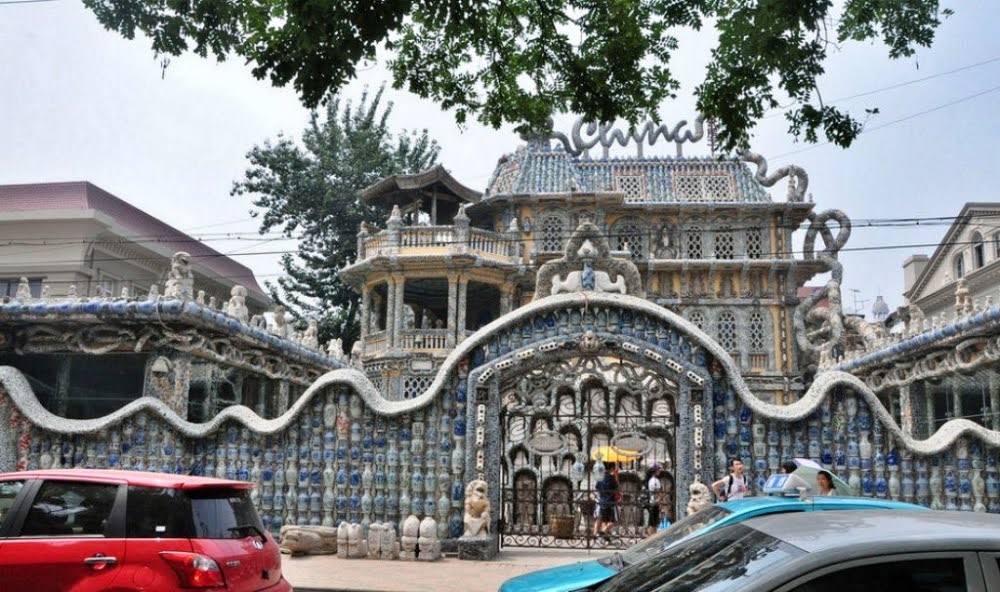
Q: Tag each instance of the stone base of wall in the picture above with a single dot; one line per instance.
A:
(480, 548)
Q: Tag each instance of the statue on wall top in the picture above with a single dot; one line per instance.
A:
(237, 306)
(180, 282)
(587, 266)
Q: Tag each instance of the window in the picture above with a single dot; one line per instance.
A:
(996, 246)
(694, 243)
(755, 244)
(223, 514)
(697, 319)
(930, 575)
(724, 244)
(552, 233)
(978, 251)
(628, 235)
(70, 509)
(8, 491)
(157, 513)
(756, 333)
(632, 185)
(727, 331)
(959, 265)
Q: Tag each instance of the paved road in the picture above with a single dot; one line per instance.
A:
(327, 573)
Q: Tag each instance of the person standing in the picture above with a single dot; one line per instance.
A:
(655, 492)
(825, 482)
(607, 489)
(735, 484)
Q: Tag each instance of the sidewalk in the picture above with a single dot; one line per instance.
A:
(328, 573)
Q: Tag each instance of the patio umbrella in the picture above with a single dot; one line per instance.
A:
(612, 454)
(807, 470)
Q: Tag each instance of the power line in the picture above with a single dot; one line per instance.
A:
(895, 121)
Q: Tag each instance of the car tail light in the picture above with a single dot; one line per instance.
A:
(194, 570)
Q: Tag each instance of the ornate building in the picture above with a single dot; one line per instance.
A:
(579, 309)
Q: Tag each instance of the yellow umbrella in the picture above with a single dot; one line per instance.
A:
(612, 454)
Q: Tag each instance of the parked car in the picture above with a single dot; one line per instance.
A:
(860, 551)
(566, 578)
(88, 530)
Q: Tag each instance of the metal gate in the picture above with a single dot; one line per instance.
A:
(553, 431)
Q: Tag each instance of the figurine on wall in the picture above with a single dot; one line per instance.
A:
(180, 281)
(237, 306)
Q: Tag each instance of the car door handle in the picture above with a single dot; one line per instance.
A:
(98, 561)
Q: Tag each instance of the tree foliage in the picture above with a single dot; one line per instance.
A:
(520, 61)
(311, 191)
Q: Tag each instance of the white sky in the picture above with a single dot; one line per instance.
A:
(80, 103)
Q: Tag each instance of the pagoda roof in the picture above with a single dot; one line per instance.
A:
(401, 189)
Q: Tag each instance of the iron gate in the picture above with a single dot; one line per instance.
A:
(550, 430)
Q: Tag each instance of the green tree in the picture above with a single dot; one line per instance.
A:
(311, 191)
(519, 61)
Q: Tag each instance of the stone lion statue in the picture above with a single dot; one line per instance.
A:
(477, 508)
(700, 498)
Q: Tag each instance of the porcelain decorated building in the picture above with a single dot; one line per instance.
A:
(581, 306)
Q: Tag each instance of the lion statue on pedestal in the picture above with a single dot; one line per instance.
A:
(477, 509)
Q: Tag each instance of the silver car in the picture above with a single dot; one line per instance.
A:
(849, 551)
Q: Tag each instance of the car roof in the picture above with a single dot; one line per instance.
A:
(138, 478)
(749, 504)
(892, 530)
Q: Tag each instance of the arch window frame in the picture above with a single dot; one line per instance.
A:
(978, 250)
(958, 265)
(551, 231)
(631, 234)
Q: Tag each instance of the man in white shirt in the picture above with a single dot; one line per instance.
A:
(733, 486)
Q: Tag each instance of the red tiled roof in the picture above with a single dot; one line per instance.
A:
(82, 195)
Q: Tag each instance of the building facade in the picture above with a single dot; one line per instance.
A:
(579, 308)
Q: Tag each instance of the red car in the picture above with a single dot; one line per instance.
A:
(85, 530)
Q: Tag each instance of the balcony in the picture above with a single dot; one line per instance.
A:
(438, 240)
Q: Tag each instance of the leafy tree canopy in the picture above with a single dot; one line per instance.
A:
(310, 190)
(519, 61)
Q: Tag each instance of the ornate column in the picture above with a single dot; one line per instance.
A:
(463, 287)
(929, 408)
(907, 417)
(956, 399)
(397, 308)
(281, 405)
(390, 312)
(366, 304)
(452, 308)
(62, 385)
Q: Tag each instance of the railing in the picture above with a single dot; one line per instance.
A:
(424, 339)
(452, 238)
(758, 360)
(376, 342)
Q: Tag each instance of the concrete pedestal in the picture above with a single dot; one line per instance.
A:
(478, 548)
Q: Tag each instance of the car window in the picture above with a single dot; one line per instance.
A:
(64, 508)
(923, 575)
(716, 557)
(8, 491)
(222, 513)
(680, 529)
(152, 512)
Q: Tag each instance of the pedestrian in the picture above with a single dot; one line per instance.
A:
(654, 497)
(825, 482)
(735, 484)
(607, 490)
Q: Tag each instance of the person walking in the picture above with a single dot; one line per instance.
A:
(735, 484)
(654, 500)
(607, 490)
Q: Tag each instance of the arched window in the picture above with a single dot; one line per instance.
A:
(697, 319)
(726, 331)
(996, 246)
(551, 232)
(693, 243)
(724, 243)
(628, 234)
(959, 265)
(978, 251)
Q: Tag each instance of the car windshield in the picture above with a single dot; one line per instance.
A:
(713, 561)
(670, 536)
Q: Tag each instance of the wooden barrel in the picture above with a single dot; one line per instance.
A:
(561, 527)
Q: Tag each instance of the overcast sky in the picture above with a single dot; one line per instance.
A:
(80, 103)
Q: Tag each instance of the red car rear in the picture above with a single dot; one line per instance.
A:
(94, 530)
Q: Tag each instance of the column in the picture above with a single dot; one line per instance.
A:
(397, 305)
(62, 386)
(452, 308)
(281, 405)
(390, 312)
(956, 399)
(994, 401)
(366, 304)
(906, 411)
(929, 394)
(463, 287)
